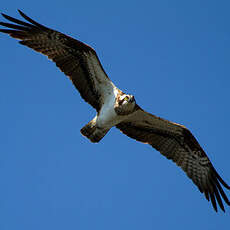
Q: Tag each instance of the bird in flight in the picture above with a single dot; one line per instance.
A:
(115, 108)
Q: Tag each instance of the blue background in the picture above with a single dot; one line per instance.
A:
(174, 57)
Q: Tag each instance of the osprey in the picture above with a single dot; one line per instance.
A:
(115, 108)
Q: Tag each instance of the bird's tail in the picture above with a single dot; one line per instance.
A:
(92, 132)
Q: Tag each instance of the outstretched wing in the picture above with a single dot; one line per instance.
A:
(178, 144)
(77, 60)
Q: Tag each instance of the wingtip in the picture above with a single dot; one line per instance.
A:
(223, 209)
(20, 12)
(228, 202)
(23, 14)
(4, 15)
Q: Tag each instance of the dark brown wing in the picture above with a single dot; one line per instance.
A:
(178, 144)
(77, 60)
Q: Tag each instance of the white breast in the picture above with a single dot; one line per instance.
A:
(107, 117)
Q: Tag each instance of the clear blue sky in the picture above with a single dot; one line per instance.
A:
(174, 57)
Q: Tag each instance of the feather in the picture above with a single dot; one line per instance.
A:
(76, 59)
(177, 143)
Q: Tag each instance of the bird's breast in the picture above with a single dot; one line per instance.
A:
(107, 116)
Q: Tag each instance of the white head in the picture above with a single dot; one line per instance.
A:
(126, 99)
(125, 104)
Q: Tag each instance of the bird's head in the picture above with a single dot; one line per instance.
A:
(125, 104)
(126, 99)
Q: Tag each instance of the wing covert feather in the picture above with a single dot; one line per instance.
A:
(76, 59)
(178, 144)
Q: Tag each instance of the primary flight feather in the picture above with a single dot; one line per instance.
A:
(115, 108)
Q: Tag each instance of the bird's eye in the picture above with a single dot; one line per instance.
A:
(126, 98)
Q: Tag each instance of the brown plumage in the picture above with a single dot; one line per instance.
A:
(70, 55)
(178, 144)
(81, 64)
